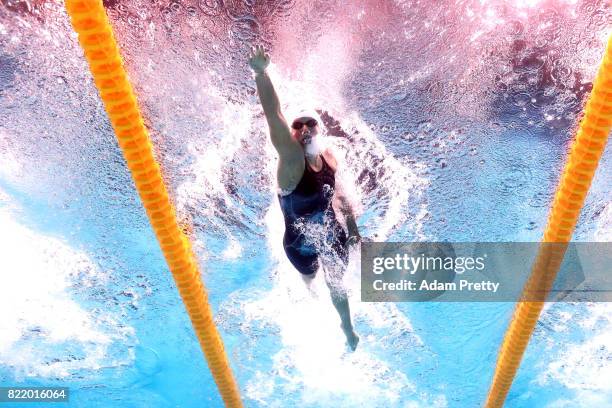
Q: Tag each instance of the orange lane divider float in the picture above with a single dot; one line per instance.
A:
(96, 38)
(582, 162)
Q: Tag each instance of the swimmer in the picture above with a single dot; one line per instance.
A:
(308, 193)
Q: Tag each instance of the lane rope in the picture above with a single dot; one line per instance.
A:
(90, 21)
(587, 148)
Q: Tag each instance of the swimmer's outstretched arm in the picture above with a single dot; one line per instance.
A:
(279, 129)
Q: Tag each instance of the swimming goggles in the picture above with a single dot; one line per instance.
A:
(297, 125)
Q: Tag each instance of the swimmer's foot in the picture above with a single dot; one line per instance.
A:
(351, 338)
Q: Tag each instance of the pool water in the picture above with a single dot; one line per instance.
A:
(452, 122)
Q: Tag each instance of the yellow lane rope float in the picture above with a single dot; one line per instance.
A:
(101, 51)
(582, 162)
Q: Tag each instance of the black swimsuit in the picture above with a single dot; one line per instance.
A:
(311, 227)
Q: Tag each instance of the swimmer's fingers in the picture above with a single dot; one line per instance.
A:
(258, 59)
(258, 51)
(263, 53)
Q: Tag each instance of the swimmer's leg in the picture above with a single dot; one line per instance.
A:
(339, 298)
(306, 264)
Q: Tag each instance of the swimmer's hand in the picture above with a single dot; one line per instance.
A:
(258, 59)
(353, 233)
(353, 239)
